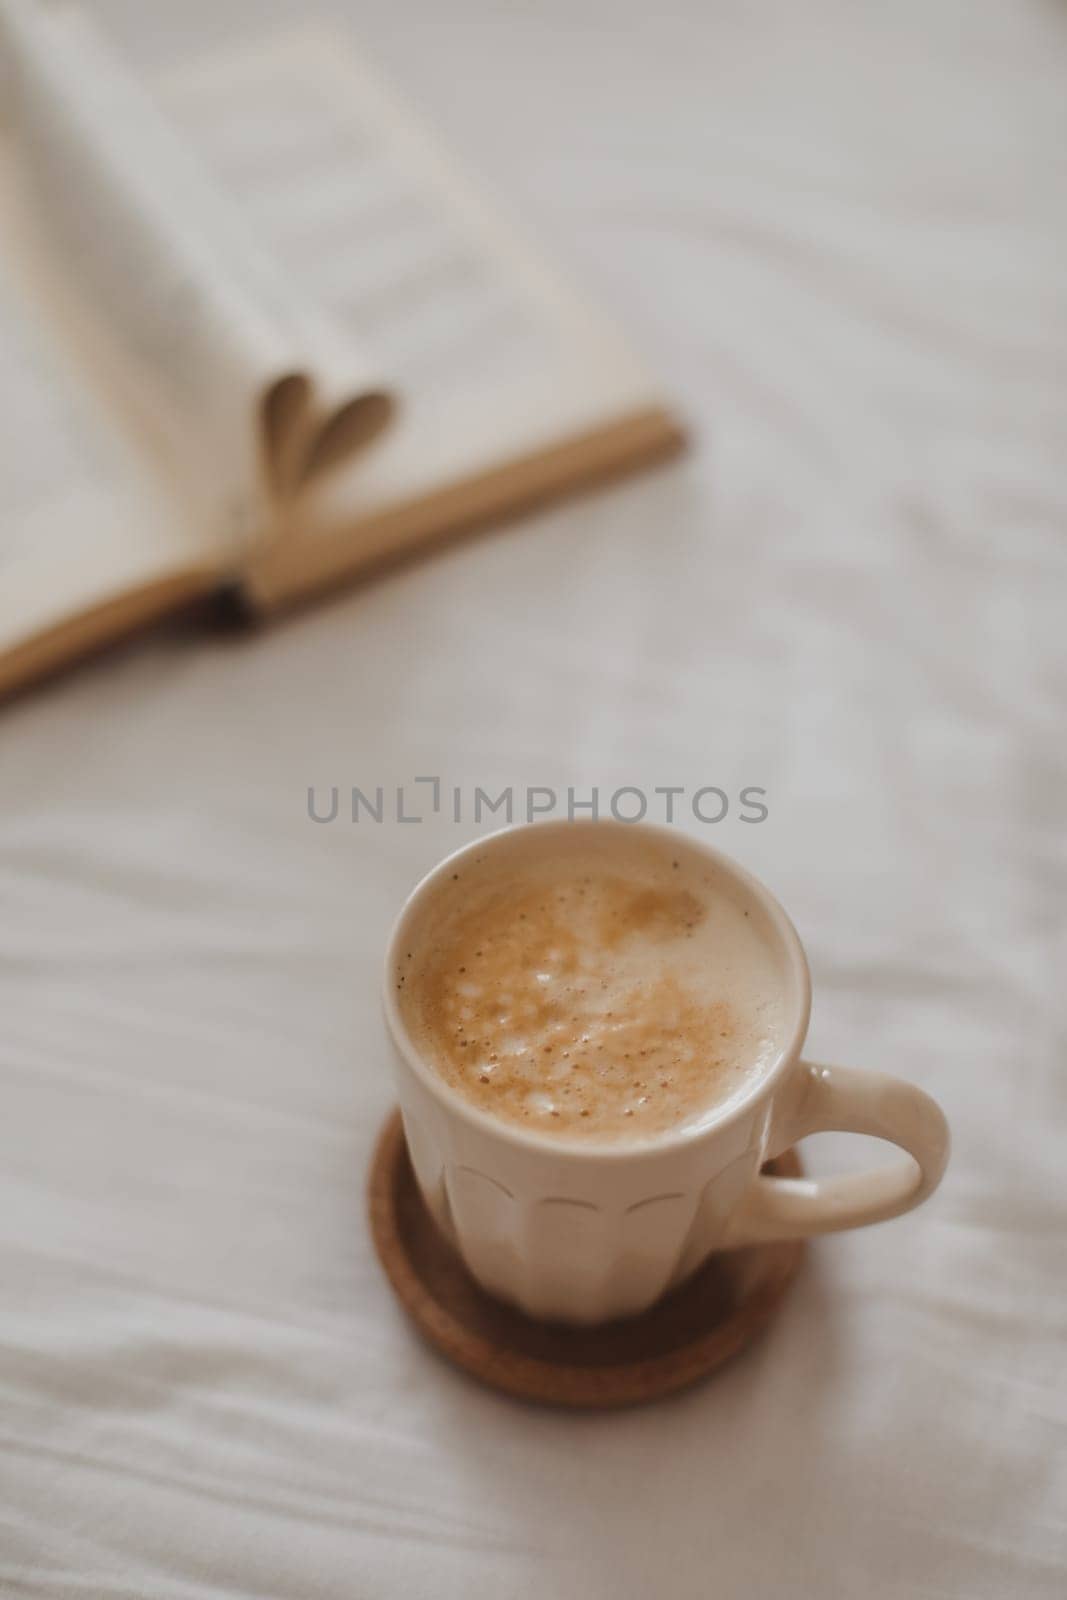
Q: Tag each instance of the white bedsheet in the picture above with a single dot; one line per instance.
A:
(840, 233)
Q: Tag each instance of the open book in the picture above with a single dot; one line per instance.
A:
(257, 333)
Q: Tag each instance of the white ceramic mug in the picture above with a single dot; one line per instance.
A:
(585, 1232)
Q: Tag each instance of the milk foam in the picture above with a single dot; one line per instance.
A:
(593, 993)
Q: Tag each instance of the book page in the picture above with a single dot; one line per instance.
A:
(219, 342)
(493, 356)
(84, 518)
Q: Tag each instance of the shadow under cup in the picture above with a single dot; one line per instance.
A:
(575, 1230)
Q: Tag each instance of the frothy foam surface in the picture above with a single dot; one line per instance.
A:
(592, 994)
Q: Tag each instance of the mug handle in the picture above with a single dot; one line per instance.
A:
(844, 1100)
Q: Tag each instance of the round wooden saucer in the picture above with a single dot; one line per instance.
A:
(686, 1336)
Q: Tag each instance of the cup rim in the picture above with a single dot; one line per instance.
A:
(529, 1139)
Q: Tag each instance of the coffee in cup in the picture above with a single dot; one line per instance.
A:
(593, 993)
(637, 976)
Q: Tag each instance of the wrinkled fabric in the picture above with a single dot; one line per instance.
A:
(839, 234)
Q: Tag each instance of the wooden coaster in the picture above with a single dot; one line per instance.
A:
(686, 1336)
